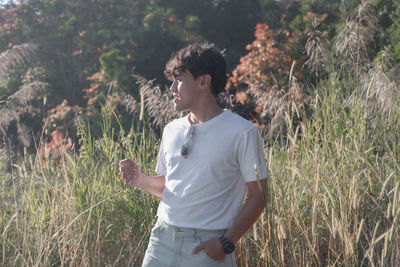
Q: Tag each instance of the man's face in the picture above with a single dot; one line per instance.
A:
(185, 91)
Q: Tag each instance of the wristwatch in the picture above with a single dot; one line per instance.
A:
(227, 246)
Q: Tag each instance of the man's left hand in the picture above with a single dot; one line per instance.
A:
(212, 248)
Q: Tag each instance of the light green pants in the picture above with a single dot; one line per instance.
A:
(171, 246)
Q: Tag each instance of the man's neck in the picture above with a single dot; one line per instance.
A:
(204, 114)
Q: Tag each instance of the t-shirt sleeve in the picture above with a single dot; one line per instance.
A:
(161, 167)
(251, 156)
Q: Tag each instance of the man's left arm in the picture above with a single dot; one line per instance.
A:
(246, 217)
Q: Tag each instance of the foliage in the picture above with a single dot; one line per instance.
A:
(11, 58)
(82, 38)
(321, 78)
(263, 77)
(158, 104)
(54, 151)
(331, 190)
(21, 89)
(226, 23)
(78, 212)
(113, 64)
(333, 194)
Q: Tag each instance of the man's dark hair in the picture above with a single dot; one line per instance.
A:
(199, 59)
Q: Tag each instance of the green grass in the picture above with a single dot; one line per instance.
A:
(80, 213)
(333, 198)
(334, 190)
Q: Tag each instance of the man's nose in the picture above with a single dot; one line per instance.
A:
(173, 86)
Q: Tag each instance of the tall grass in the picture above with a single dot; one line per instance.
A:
(333, 198)
(79, 214)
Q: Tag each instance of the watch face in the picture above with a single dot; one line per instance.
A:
(229, 248)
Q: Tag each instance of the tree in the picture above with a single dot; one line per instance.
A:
(266, 82)
(229, 23)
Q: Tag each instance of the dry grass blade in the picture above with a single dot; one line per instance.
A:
(314, 50)
(158, 104)
(11, 109)
(279, 107)
(129, 103)
(24, 134)
(379, 87)
(357, 35)
(7, 116)
(26, 93)
(18, 54)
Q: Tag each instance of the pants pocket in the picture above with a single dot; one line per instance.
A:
(157, 229)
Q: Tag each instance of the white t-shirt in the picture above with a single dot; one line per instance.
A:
(206, 189)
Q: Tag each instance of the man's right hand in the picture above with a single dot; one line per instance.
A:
(130, 172)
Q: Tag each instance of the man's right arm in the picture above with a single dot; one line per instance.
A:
(152, 184)
(131, 174)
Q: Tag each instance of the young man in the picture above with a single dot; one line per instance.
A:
(207, 159)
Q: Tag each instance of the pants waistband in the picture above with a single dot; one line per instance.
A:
(187, 231)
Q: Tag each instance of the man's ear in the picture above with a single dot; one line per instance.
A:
(205, 81)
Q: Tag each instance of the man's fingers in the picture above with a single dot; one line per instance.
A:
(129, 176)
(198, 248)
(128, 168)
(128, 171)
(125, 161)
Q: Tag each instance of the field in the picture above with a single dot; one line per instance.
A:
(320, 79)
(333, 196)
